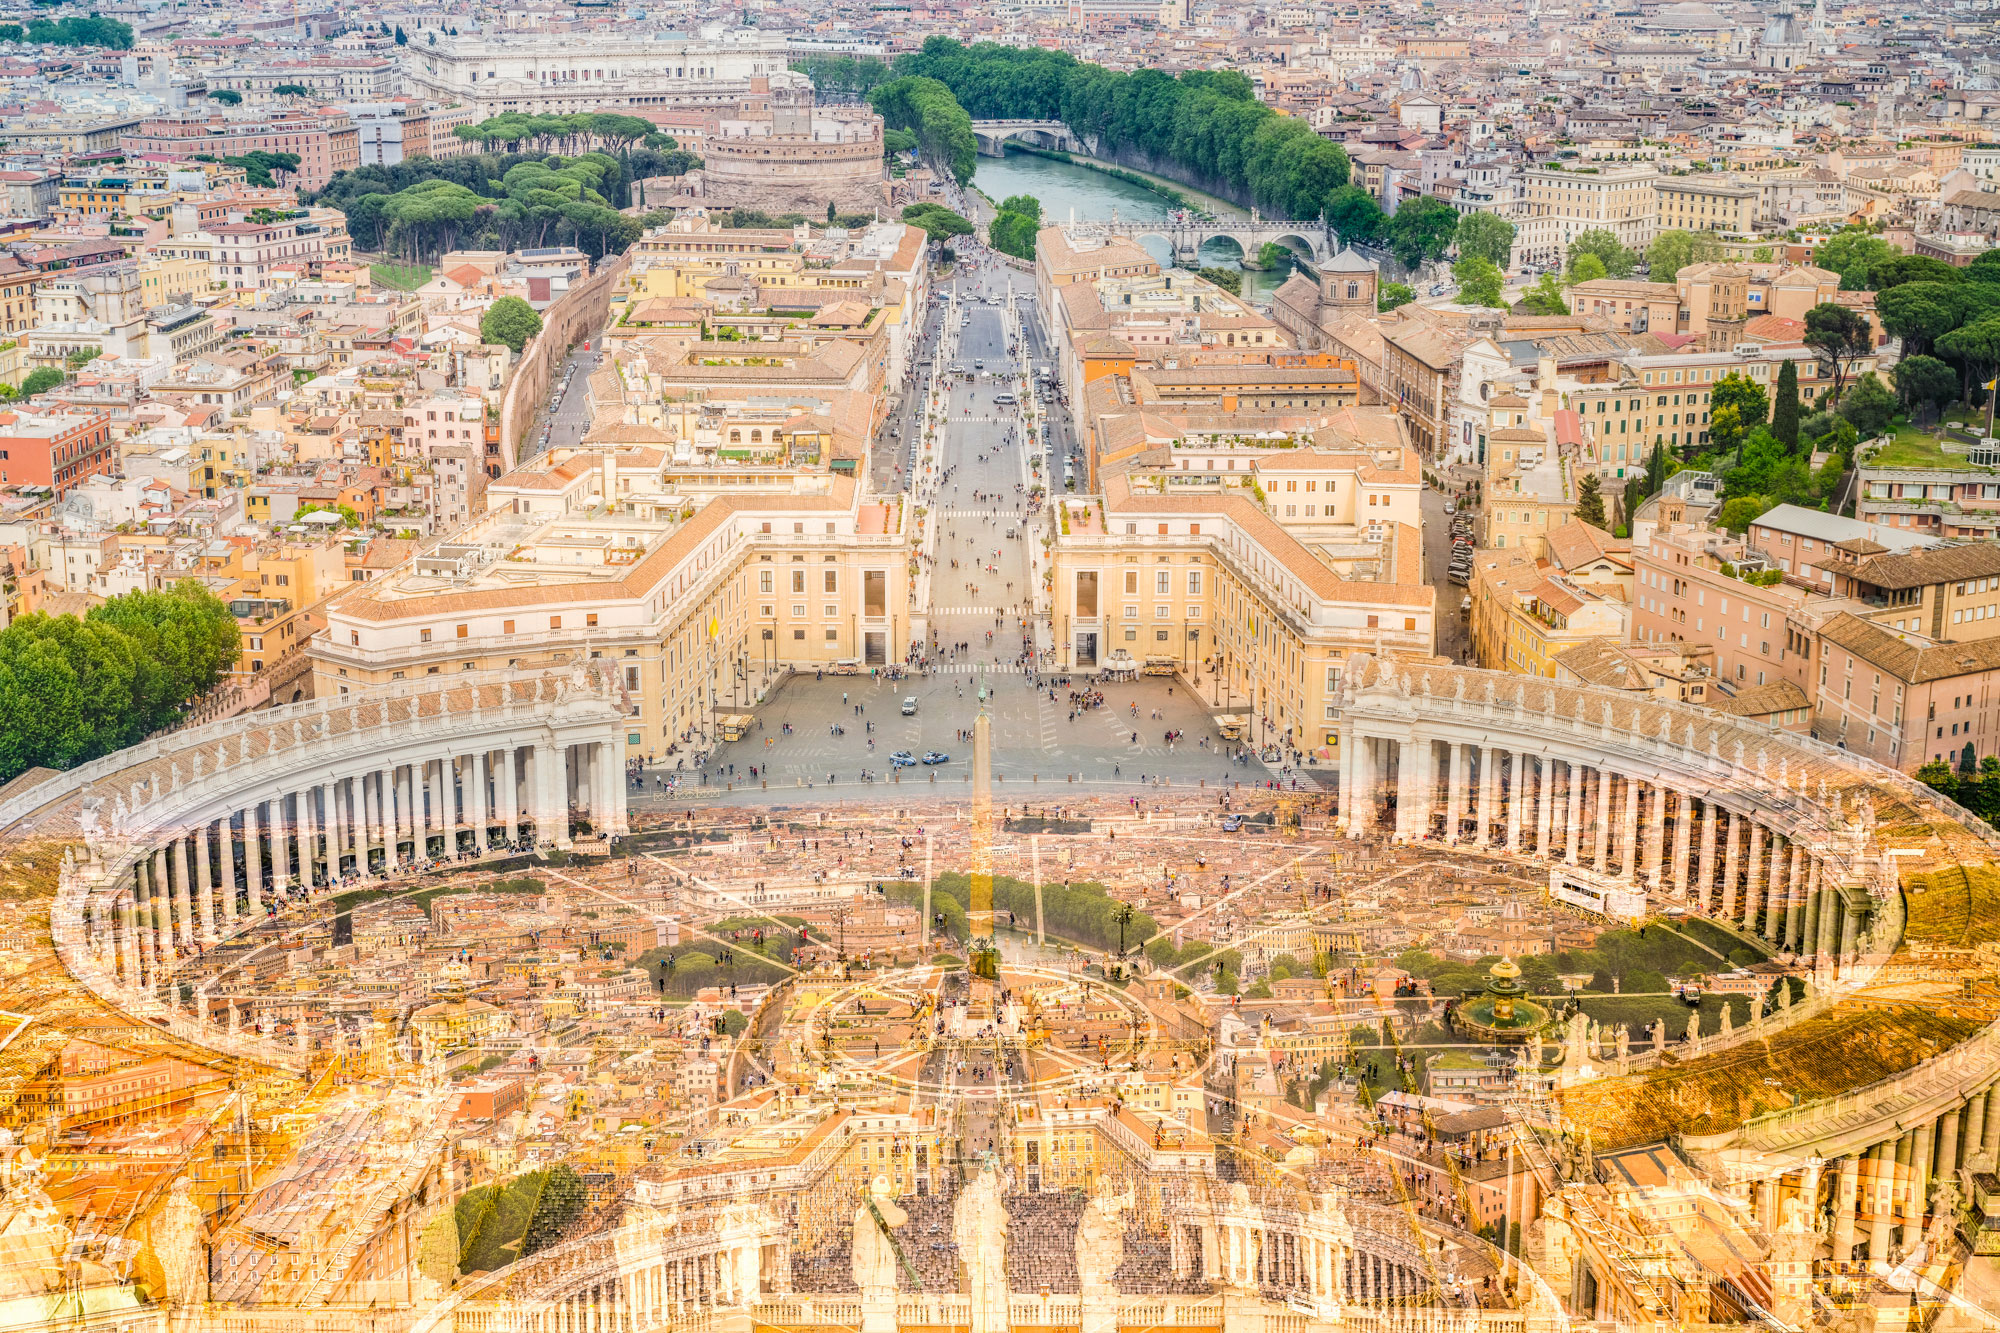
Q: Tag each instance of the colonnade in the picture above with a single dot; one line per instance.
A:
(665, 1291)
(1624, 825)
(363, 823)
(1871, 1192)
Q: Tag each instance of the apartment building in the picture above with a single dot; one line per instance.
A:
(1948, 594)
(54, 450)
(1903, 702)
(1707, 203)
(593, 553)
(1559, 202)
(1694, 586)
(324, 139)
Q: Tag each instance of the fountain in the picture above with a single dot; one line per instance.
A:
(1504, 1013)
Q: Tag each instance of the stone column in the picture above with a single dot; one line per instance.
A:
(1408, 783)
(364, 824)
(281, 848)
(1628, 842)
(1653, 837)
(1947, 1150)
(1917, 1179)
(128, 933)
(510, 792)
(204, 878)
(1457, 778)
(1774, 900)
(1811, 941)
(253, 850)
(159, 897)
(1573, 814)
(180, 894)
(330, 826)
(551, 814)
(1732, 838)
(1850, 930)
(1753, 877)
(1704, 875)
(454, 808)
(1845, 1200)
(1602, 817)
(1544, 806)
(1516, 793)
(308, 837)
(1795, 898)
(1989, 1137)
(410, 821)
(1975, 1124)
(1683, 841)
(476, 775)
(1489, 794)
(1881, 1219)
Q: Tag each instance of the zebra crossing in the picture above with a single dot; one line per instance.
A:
(1013, 515)
(965, 610)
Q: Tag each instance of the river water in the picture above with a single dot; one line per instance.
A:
(1067, 190)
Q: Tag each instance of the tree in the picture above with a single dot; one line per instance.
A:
(1589, 503)
(292, 90)
(1229, 279)
(401, 38)
(1785, 409)
(40, 381)
(1672, 251)
(1725, 430)
(1545, 297)
(1617, 260)
(938, 222)
(1012, 231)
(1585, 267)
(1870, 405)
(226, 96)
(1479, 282)
(1852, 254)
(1900, 269)
(1354, 215)
(1924, 385)
(1744, 394)
(831, 212)
(1421, 231)
(510, 321)
(1837, 335)
(559, 1202)
(1392, 294)
(1486, 235)
(1739, 512)
(1976, 345)
(1921, 312)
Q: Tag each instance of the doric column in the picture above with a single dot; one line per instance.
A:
(1989, 1135)
(476, 776)
(330, 826)
(1544, 804)
(204, 879)
(1602, 817)
(612, 785)
(1573, 812)
(1409, 781)
(253, 849)
(1658, 873)
(1850, 930)
(1917, 1179)
(1881, 1214)
(510, 792)
(1704, 875)
(1774, 901)
(544, 786)
(159, 898)
(1753, 877)
(1731, 834)
(1683, 841)
(412, 820)
(364, 823)
(1489, 793)
(1846, 1198)
(1947, 1149)
(308, 837)
(1810, 942)
(281, 849)
(1975, 1124)
(1628, 841)
(128, 933)
(180, 892)
(1516, 793)
(1795, 898)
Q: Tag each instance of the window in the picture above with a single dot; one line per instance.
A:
(875, 592)
(1162, 583)
(764, 578)
(798, 580)
(506, 627)
(1131, 583)
(590, 620)
(1086, 593)
(555, 622)
(423, 636)
(462, 631)
(832, 580)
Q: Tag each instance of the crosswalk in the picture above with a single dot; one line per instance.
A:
(1011, 515)
(973, 668)
(965, 610)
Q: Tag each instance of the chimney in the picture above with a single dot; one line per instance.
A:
(1545, 380)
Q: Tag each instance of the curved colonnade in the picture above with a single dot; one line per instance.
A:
(193, 840)
(187, 840)
(1638, 806)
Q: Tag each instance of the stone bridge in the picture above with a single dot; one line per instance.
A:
(993, 135)
(1309, 240)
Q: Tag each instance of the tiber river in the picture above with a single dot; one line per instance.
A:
(1092, 194)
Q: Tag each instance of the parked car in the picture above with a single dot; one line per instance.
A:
(902, 759)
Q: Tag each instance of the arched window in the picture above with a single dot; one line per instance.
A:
(736, 437)
(756, 437)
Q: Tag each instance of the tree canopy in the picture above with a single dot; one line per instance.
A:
(1487, 235)
(71, 30)
(1012, 231)
(510, 321)
(1610, 251)
(1421, 231)
(71, 689)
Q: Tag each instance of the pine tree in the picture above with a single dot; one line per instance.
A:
(1589, 504)
(1785, 410)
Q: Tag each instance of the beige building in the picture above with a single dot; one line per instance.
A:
(1558, 203)
(1706, 203)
